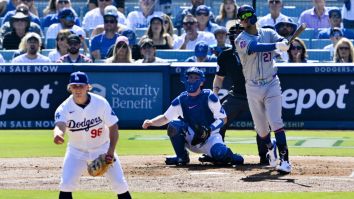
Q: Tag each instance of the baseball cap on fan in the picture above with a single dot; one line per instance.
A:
(201, 49)
(78, 78)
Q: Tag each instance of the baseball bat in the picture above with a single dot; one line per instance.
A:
(298, 31)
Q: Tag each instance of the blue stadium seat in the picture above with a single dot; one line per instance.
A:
(309, 33)
(319, 54)
(46, 52)
(7, 54)
(180, 55)
(307, 43)
(50, 43)
(320, 43)
(140, 32)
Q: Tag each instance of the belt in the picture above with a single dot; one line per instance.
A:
(265, 81)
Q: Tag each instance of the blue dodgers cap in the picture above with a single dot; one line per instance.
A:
(201, 49)
(202, 9)
(78, 78)
(66, 12)
(130, 34)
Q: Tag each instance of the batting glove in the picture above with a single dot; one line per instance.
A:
(282, 46)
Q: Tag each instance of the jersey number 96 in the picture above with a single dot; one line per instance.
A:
(96, 132)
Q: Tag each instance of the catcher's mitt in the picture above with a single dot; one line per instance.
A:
(201, 134)
(99, 166)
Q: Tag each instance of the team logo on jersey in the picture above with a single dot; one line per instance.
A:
(57, 116)
(243, 43)
(83, 125)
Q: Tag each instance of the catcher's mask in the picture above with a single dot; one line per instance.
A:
(192, 86)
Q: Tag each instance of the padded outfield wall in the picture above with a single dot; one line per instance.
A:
(315, 96)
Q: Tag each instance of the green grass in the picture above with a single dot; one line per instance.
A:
(39, 143)
(34, 194)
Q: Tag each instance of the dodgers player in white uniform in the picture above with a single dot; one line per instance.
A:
(256, 50)
(92, 129)
(192, 113)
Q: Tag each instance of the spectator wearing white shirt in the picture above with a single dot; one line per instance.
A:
(61, 45)
(335, 35)
(191, 37)
(95, 17)
(33, 42)
(141, 18)
(348, 14)
(275, 16)
(67, 21)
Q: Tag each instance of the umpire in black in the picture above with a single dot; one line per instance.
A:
(235, 103)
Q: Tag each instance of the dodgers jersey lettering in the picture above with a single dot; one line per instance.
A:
(87, 127)
(257, 65)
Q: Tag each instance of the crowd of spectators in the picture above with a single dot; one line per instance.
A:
(106, 33)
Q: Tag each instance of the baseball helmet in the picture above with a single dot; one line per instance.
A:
(191, 87)
(247, 12)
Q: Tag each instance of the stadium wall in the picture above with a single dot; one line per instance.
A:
(315, 96)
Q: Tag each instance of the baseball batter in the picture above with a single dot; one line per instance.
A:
(256, 50)
(201, 117)
(92, 129)
(235, 103)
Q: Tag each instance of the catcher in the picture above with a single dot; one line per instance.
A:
(200, 119)
(93, 133)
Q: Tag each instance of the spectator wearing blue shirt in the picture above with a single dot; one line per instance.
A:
(335, 20)
(178, 22)
(201, 54)
(32, 16)
(101, 43)
(53, 18)
(203, 17)
(6, 6)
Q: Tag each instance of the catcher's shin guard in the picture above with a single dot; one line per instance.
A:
(222, 153)
(175, 131)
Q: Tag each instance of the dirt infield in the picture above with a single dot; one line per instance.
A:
(150, 174)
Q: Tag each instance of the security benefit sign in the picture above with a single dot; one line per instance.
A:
(29, 100)
(134, 96)
(318, 101)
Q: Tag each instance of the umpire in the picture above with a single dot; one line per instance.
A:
(235, 103)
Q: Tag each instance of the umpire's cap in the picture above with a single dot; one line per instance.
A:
(245, 11)
(78, 78)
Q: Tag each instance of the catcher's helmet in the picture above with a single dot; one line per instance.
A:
(191, 87)
(247, 12)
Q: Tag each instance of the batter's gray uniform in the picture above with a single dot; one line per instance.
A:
(262, 84)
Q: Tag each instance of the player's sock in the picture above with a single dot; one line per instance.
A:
(281, 143)
(266, 141)
(125, 195)
(262, 147)
(65, 195)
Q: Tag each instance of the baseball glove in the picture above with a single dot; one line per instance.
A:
(201, 134)
(100, 165)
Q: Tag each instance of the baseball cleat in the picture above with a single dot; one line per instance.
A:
(284, 167)
(206, 158)
(177, 161)
(272, 155)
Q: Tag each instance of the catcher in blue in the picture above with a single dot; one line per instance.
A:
(256, 48)
(194, 119)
